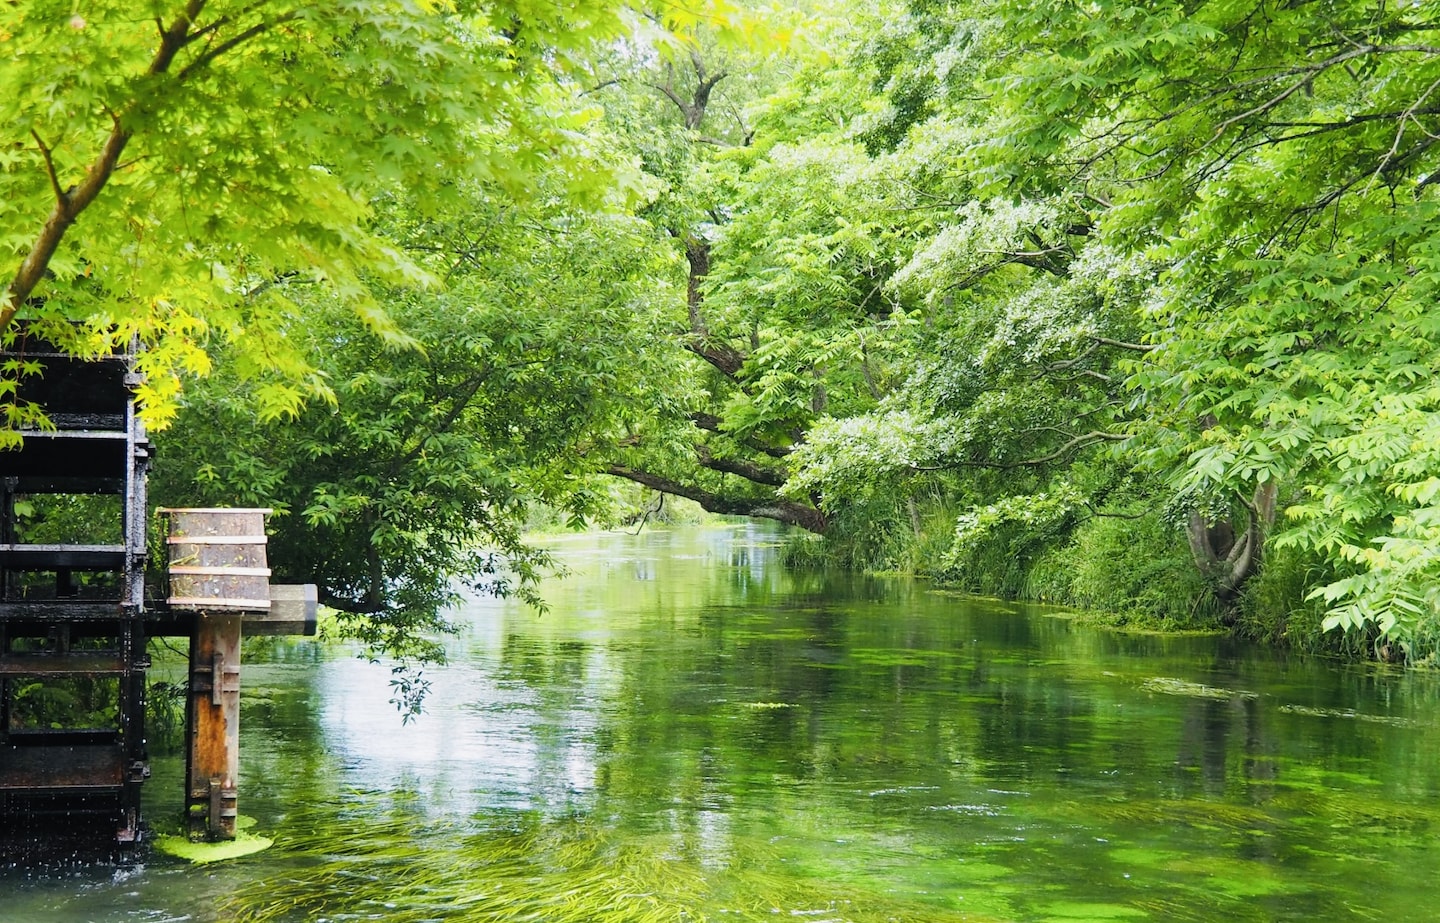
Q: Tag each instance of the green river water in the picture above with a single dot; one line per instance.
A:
(694, 733)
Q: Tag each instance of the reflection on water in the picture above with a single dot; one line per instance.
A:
(691, 733)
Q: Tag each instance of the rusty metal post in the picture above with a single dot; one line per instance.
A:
(213, 757)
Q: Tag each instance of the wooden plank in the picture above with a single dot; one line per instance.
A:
(50, 557)
(218, 603)
(61, 767)
(216, 540)
(76, 435)
(294, 610)
(50, 611)
(61, 664)
(96, 421)
(168, 510)
(218, 570)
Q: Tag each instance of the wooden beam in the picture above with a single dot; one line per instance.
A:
(213, 757)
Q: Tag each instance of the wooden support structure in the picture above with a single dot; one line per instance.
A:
(212, 758)
(218, 569)
(212, 710)
(75, 615)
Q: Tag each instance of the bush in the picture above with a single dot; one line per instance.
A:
(870, 532)
(1274, 608)
(1138, 569)
(995, 547)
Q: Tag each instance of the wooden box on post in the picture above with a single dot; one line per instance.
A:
(217, 560)
(218, 569)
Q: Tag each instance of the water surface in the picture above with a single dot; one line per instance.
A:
(692, 733)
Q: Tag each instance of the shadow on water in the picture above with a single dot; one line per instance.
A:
(693, 733)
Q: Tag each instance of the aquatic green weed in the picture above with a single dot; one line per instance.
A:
(1347, 713)
(557, 872)
(1169, 685)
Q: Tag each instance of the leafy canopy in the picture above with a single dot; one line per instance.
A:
(163, 165)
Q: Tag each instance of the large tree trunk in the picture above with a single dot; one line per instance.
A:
(721, 355)
(1227, 557)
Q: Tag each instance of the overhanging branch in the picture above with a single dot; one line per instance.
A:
(750, 471)
(70, 202)
(712, 424)
(786, 511)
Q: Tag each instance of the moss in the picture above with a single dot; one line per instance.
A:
(200, 852)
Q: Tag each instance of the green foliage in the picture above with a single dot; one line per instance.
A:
(1136, 569)
(54, 519)
(422, 470)
(70, 703)
(145, 197)
(165, 716)
(996, 546)
(1200, 234)
(1278, 606)
(975, 249)
(1288, 193)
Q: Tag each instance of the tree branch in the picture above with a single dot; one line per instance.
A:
(345, 603)
(712, 424)
(750, 471)
(462, 395)
(68, 206)
(697, 258)
(71, 202)
(49, 165)
(210, 54)
(723, 357)
(1120, 344)
(786, 511)
(671, 95)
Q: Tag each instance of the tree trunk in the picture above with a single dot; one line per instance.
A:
(724, 358)
(1228, 558)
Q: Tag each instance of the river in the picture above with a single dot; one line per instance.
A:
(693, 733)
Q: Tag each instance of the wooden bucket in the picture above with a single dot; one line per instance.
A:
(217, 560)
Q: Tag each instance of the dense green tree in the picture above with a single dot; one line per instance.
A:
(968, 343)
(417, 480)
(163, 165)
(1277, 160)
(691, 121)
(1195, 236)
(785, 314)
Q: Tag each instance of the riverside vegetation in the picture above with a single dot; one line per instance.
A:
(1127, 306)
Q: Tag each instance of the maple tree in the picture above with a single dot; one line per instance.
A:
(165, 166)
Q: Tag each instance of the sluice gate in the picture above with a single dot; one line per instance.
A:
(76, 612)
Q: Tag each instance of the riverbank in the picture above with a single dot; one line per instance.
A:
(1125, 573)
